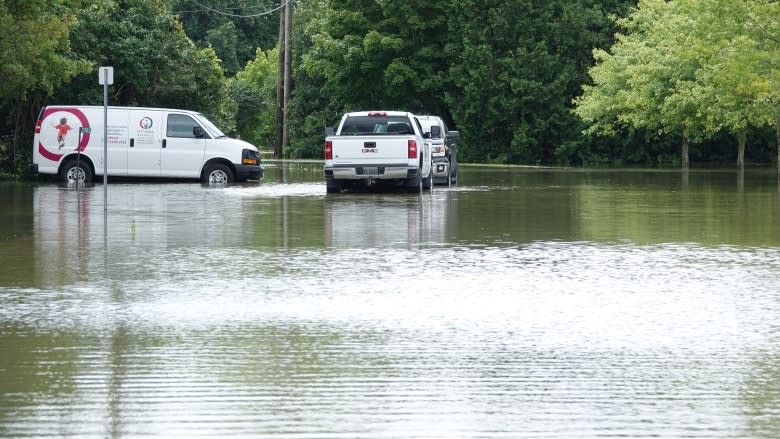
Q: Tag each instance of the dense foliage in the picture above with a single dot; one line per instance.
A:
(36, 61)
(682, 67)
(520, 79)
(516, 67)
(235, 29)
(155, 63)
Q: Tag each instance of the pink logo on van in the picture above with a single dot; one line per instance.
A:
(146, 123)
(58, 140)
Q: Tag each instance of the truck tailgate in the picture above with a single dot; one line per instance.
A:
(370, 149)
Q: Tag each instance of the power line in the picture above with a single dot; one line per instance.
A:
(217, 11)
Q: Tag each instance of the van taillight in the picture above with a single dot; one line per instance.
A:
(38, 126)
(412, 149)
(328, 150)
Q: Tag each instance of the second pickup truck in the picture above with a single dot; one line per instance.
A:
(378, 148)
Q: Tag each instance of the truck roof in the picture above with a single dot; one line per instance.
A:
(379, 113)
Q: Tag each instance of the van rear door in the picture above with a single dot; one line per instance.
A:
(146, 131)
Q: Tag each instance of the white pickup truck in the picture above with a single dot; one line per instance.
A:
(378, 148)
(444, 149)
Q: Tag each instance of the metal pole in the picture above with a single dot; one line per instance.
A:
(105, 140)
(279, 127)
(287, 75)
(78, 157)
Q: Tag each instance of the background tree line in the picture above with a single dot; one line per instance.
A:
(520, 79)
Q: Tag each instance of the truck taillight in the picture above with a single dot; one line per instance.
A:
(377, 113)
(412, 149)
(38, 126)
(328, 150)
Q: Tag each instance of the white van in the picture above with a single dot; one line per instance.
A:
(142, 142)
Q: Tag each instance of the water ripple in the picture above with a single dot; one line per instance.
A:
(548, 339)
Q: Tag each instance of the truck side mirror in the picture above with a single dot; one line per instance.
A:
(329, 131)
(435, 132)
(453, 134)
(198, 132)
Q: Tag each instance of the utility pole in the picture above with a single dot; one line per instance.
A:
(279, 127)
(287, 75)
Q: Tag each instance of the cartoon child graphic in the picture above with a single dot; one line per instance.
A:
(62, 131)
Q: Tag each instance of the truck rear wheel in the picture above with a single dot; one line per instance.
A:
(415, 185)
(427, 183)
(331, 186)
(76, 171)
(217, 173)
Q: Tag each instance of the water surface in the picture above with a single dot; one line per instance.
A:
(521, 303)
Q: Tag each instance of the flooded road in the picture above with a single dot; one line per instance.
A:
(520, 303)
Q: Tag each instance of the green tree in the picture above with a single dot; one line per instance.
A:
(686, 66)
(36, 59)
(632, 81)
(382, 54)
(255, 93)
(312, 107)
(155, 63)
(764, 25)
(235, 29)
(504, 73)
(35, 47)
(515, 66)
(725, 87)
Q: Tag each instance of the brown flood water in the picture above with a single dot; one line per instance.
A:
(520, 303)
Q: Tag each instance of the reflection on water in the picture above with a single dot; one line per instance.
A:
(519, 304)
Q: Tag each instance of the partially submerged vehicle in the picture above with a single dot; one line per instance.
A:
(377, 148)
(140, 142)
(444, 149)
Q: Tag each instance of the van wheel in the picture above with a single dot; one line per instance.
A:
(217, 174)
(76, 172)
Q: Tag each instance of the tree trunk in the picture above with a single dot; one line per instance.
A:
(24, 116)
(685, 147)
(742, 139)
(18, 124)
(777, 135)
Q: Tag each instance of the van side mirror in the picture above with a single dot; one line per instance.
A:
(435, 132)
(198, 132)
(329, 131)
(427, 135)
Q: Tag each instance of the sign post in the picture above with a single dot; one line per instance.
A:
(105, 78)
(82, 131)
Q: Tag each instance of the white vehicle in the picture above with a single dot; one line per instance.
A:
(142, 142)
(377, 148)
(444, 149)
